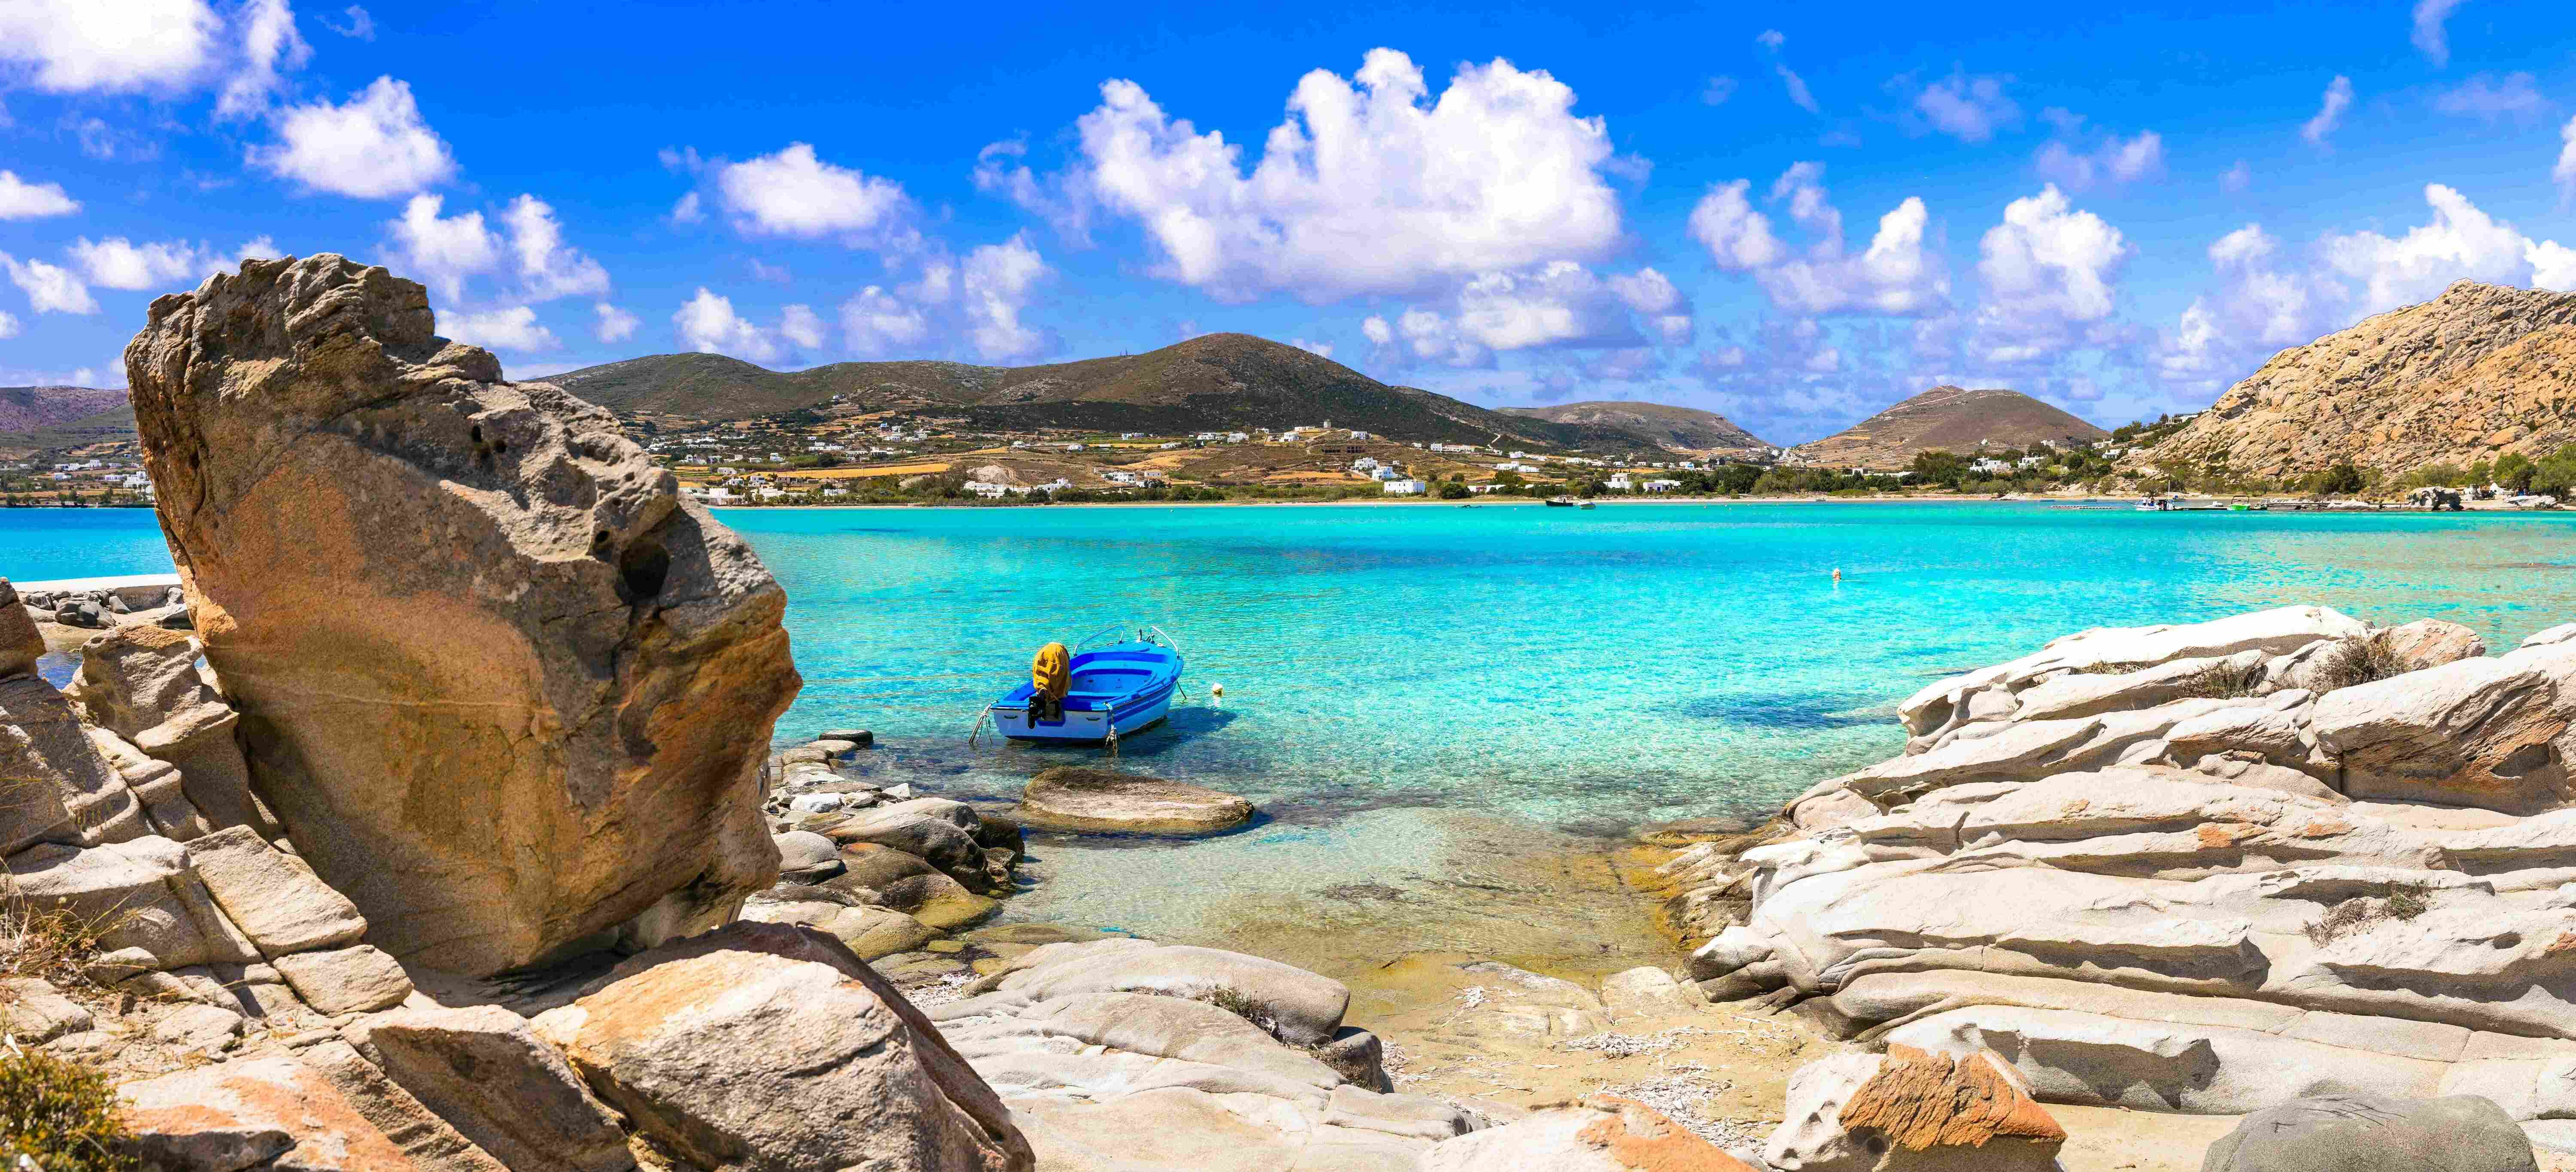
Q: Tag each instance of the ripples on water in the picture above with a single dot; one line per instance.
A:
(1577, 667)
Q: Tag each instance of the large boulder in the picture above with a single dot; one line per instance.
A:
(769, 1048)
(2369, 1133)
(1104, 801)
(505, 688)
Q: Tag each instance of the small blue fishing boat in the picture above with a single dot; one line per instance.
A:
(1112, 685)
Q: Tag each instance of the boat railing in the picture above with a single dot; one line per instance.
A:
(1118, 633)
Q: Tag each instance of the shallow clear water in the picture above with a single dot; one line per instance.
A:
(1582, 669)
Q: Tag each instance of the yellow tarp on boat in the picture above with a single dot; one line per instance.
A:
(1051, 673)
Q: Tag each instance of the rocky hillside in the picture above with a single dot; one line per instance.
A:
(1950, 419)
(1685, 429)
(1215, 382)
(25, 409)
(2477, 372)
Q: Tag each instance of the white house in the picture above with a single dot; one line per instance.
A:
(1386, 474)
(987, 489)
(1364, 464)
(1621, 482)
(1662, 485)
(1989, 465)
(1406, 488)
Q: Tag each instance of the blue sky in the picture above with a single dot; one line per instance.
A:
(1794, 215)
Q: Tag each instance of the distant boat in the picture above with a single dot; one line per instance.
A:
(1099, 693)
(1560, 502)
(2153, 505)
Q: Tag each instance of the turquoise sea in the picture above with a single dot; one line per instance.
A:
(1584, 670)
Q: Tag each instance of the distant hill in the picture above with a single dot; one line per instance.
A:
(1679, 428)
(1209, 383)
(1951, 419)
(24, 409)
(2477, 372)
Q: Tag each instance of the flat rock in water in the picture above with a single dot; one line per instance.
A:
(1104, 801)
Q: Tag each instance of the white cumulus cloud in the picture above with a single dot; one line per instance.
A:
(1896, 275)
(118, 263)
(512, 327)
(2460, 242)
(1561, 305)
(795, 193)
(269, 46)
(21, 200)
(78, 46)
(373, 147)
(443, 251)
(877, 323)
(49, 288)
(547, 267)
(801, 325)
(615, 325)
(1371, 185)
(708, 324)
(2049, 270)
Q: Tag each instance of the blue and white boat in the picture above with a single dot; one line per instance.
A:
(1113, 686)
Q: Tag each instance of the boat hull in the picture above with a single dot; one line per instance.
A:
(1118, 690)
(1083, 726)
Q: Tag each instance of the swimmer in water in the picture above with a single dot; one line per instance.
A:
(1838, 573)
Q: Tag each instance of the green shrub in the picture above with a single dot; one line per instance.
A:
(60, 1114)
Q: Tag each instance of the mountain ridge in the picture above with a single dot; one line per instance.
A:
(2477, 372)
(1948, 418)
(1212, 382)
(1665, 425)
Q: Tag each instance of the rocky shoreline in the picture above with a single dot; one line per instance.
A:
(437, 826)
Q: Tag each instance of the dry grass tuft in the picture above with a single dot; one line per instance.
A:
(2358, 661)
(2361, 913)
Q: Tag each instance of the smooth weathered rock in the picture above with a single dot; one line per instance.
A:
(1134, 1075)
(486, 1073)
(765, 1047)
(1649, 992)
(507, 688)
(1994, 693)
(137, 894)
(806, 857)
(1084, 800)
(272, 895)
(1305, 1008)
(938, 901)
(430, 1143)
(2431, 643)
(1911, 1108)
(21, 644)
(2369, 1133)
(35, 1012)
(230, 1117)
(926, 835)
(1604, 1133)
(345, 980)
(2492, 733)
(870, 932)
(142, 683)
(60, 789)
